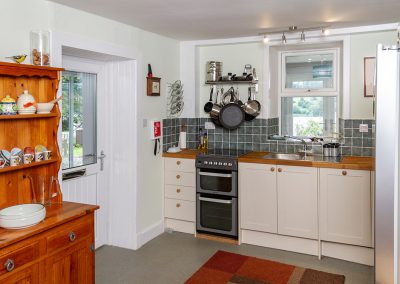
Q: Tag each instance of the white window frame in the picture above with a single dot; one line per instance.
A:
(324, 92)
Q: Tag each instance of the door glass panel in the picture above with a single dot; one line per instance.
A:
(216, 216)
(79, 139)
(215, 183)
(309, 71)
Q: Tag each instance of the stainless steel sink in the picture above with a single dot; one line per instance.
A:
(283, 156)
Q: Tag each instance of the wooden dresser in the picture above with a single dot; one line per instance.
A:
(61, 248)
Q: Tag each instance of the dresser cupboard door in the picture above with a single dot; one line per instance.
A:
(297, 201)
(257, 196)
(345, 206)
(28, 275)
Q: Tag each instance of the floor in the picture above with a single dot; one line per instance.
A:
(172, 257)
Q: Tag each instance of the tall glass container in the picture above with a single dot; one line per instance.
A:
(40, 48)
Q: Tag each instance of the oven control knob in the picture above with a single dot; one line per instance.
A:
(205, 162)
(215, 163)
(219, 164)
(225, 164)
(230, 164)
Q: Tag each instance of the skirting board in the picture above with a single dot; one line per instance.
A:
(180, 226)
(351, 253)
(150, 233)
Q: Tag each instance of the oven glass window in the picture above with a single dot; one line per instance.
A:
(214, 215)
(216, 180)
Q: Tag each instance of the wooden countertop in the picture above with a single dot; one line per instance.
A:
(348, 162)
(184, 154)
(56, 214)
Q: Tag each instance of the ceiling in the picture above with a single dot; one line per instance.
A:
(210, 19)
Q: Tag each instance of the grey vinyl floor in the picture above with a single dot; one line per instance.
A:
(174, 257)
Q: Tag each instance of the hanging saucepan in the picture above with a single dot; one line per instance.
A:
(208, 106)
(231, 115)
(215, 110)
(228, 96)
(251, 108)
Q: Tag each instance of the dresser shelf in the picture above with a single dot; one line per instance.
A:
(31, 165)
(27, 116)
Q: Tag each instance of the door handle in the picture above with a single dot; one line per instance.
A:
(101, 158)
(215, 200)
(215, 174)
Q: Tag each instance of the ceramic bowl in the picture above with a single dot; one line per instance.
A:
(6, 156)
(44, 107)
(22, 216)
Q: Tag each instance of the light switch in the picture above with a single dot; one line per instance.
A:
(144, 122)
(363, 128)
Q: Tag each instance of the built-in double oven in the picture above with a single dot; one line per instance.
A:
(217, 197)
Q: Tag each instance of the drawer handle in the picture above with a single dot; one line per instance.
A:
(178, 162)
(91, 247)
(72, 236)
(272, 169)
(178, 190)
(178, 176)
(178, 205)
(279, 170)
(9, 265)
(344, 173)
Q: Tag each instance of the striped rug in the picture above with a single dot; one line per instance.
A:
(230, 268)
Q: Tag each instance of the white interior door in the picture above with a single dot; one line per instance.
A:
(85, 177)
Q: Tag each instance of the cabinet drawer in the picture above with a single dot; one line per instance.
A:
(68, 234)
(16, 258)
(180, 192)
(179, 209)
(179, 165)
(180, 178)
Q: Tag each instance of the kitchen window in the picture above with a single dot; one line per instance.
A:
(309, 96)
(78, 119)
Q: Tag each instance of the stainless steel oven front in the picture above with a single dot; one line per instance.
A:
(217, 181)
(217, 214)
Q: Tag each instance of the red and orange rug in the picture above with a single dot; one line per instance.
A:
(230, 268)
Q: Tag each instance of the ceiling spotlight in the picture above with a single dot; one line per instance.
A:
(302, 37)
(266, 39)
(325, 31)
(283, 38)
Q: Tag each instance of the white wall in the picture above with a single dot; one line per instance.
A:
(18, 17)
(364, 45)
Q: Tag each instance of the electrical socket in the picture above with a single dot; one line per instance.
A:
(209, 125)
(363, 128)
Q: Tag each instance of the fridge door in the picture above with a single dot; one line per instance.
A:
(387, 165)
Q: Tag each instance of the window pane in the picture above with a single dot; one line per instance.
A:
(309, 71)
(308, 116)
(78, 119)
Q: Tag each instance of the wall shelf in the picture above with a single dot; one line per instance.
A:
(31, 165)
(27, 116)
(231, 82)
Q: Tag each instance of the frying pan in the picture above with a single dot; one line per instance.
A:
(252, 107)
(231, 115)
(208, 106)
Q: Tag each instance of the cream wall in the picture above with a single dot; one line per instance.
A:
(364, 45)
(18, 17)
(234, 58)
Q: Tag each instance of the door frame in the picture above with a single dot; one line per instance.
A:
(127, 196)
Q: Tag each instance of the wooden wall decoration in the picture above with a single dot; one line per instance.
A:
(153, 86)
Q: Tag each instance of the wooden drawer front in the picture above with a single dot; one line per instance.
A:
(180, 192)
(180, 178)
(180, 209)
(18, 257)
(179, 165)
(69, 234)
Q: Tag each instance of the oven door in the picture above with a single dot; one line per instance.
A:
(221, 182)
(217, 215)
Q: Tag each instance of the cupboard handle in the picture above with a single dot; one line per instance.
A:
(178, 190)
(178, 162)
(91, 247)
(72, 236)
(178, 176)
(9, 265)
(178, 205)
(279, 170)
(344, 173)
(272, 169)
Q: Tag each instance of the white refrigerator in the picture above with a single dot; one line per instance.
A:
(387, 165)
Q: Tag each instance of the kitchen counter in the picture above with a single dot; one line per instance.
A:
(56, 214)
(347, 162)
(184, 154)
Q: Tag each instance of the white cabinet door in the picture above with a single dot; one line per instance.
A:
(298, 201)
(345, 206)
(257, 196)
